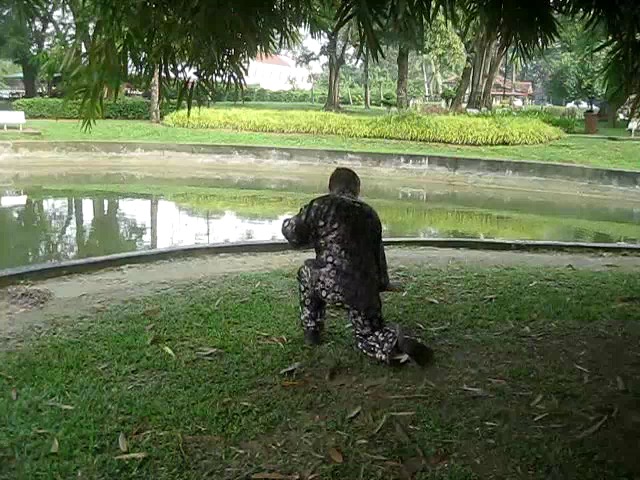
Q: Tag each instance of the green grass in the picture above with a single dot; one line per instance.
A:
(577, 150)
(528, 361)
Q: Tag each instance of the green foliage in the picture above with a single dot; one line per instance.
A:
(567, 119)
(124, 108)
(460, 130)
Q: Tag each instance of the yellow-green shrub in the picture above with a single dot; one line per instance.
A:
(453, 129)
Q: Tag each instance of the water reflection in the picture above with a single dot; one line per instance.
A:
(38, 226)
(55, 229)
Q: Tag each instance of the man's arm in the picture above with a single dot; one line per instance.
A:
(383, 274)
(297, 230)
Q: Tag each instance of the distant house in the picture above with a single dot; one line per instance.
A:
(504, 91)
(15, 86)
(11, 86)
(277, 72)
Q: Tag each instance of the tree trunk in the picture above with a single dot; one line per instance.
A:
(367, 88)
(475, 96)
(437, 78)
(154, 222)
(79, 217)
(425, 79)
(154, 106)
(335, 62)
(456, 104)
(496, 60)
(98, 207)
(29, 78)
(403, 78)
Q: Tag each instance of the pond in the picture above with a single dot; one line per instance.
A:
(46, 217)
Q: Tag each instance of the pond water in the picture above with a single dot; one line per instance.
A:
(51, 218)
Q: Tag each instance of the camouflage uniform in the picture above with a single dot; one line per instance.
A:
(349, 270)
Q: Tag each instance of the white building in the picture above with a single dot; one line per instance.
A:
(277, 72)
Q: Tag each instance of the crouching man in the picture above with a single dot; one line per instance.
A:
(349, 271)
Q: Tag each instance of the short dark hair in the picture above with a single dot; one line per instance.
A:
(344, 180)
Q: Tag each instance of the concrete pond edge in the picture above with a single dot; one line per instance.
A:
(45, 271)
(439, 163)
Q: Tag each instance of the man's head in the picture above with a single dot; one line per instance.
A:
(344, 181)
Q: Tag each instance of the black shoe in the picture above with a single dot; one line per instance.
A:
(419, 352)
(312, 337)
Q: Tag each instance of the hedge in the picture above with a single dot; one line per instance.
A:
(125, 108)
(458, 129)
(567, 119)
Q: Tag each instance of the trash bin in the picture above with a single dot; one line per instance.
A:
(590, 123)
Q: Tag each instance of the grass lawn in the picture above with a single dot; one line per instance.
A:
(536, 377)
(577, 149)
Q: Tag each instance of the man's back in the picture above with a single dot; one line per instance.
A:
(347, 237)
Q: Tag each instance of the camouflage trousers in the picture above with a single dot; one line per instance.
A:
(318, 289)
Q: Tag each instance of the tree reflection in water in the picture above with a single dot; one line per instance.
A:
(45, 230)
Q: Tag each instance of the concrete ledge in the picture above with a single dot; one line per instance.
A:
(44, 271)
(441, 163)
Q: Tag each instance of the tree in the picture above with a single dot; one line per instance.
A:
(620, 21)
(212, 42)
(26, 30)
(336, 50)
(574, 71)
(442, 55)
(488, 30)
(365, 79)
(305, 57)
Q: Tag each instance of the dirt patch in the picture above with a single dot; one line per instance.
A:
(75, 296)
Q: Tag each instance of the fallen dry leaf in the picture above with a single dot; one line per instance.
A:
(55, 446)
(217, 304)
(273, 476)
(490, 298)
(433, 300)
(536, 400)
(401, 414)
(289, 383)
(122, 443)
(381, 424)
(336, 455)
(594, 428)
(620, 383)
(206, 352)
(290, 368)
(169, 351)
(132, 456)
(61, 406)
(540, 417)
(474, 390)
(354, 413)
(14, 394)
(581, 368)
(402, 358)
(409, 396)
(497, 381)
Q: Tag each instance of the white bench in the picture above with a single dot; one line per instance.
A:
(633, 126)
(8, 117)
